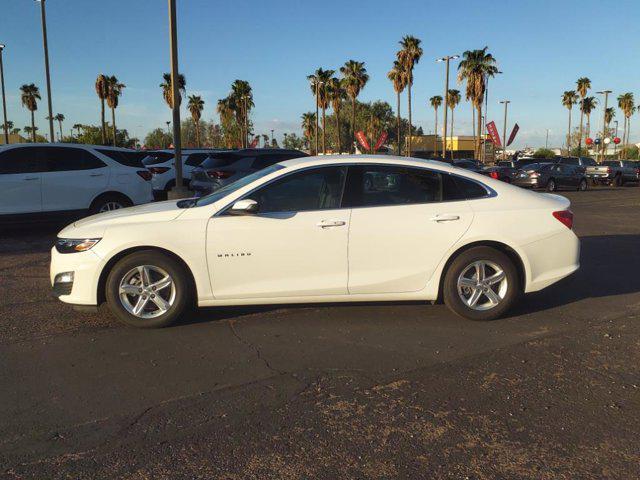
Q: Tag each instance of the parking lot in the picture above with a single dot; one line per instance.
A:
(401, 390)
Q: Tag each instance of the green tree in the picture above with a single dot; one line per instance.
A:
(102, 92)
(587, 106)
(626, 103)
(158, 139)
(569, 99)
(167, 89)
(114, 90)
(337, 94)
(196, 105)
(355, 77)
(59, 117)
(29, 96)
(308, 125)
(453, 99)
(398, 77)
(583, 84)
(436, 102)
(318, 84)
(293, 141)
(409, 54)
(242, 103)
(231, 130)
(544, 153)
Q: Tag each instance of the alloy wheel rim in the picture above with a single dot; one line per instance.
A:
(109, 206)
(147, 291)
(482, 285)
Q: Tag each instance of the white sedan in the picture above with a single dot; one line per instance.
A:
(322, 229)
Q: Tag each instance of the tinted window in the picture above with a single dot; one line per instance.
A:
(611, 164)
(504, 164)
(588, 162)
(63, 159)
(156, 158)
(263, 161)
(220, 160)
(373, 185)
(470, 189)
(128, 159)
(450, 190)
(195, 159)
(22, 160)
(317, 189)
(570, 161)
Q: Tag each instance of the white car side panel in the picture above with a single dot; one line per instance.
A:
(20, 193)
(73, 190)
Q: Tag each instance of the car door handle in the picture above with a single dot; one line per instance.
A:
(445, 218)
(330, 223)
(96, 175)
(28, 179)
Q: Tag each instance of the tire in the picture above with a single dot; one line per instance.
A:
(108, 202)
(506, 180)
(617, 181)
(176, 296)
(583, 185)
(551, 185)
(506, 290)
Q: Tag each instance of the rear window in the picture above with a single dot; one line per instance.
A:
(195, 159)
(220, 160)
(156, 158)
(266, 160)
(128, 159)
(611, 164)
(570, 161)
(589, 162)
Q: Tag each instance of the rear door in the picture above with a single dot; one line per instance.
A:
(403, 221)
(74, 177)
(20, 180)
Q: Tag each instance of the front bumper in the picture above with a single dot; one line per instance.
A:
(85, 267)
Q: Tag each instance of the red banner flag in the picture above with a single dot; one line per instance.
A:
(514, 132)
(254, 143)
(362, 139)
(493, 133)
(381, 140)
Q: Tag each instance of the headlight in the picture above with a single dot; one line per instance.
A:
(72, 245)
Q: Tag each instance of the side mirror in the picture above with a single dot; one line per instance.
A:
(244, 207)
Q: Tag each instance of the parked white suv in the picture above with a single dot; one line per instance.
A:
(162, 166)
(69, 179)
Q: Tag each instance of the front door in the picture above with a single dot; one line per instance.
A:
(400, 226)
(295, 245)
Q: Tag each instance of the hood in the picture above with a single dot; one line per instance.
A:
(95, 225)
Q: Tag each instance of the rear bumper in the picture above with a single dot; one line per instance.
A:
(552, 259)
(526, 182)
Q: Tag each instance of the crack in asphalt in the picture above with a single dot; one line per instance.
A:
(256, 350)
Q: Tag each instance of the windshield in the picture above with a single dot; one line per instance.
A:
(232, 187)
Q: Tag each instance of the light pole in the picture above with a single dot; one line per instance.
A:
(604, 120)
(546, 142)
(483, 130)
(504, 130)
(45, 44)
(446, 92)
(4, 99)
(168, 122)
(178, 191)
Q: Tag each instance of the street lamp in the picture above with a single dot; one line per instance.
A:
(446, 91)
(178, 191)
(504, 130)
(168, 122)
(604, 120)
(483, 129)
(45, 44)
(4, 99)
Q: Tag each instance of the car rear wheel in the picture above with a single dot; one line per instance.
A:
(583, 185)
(148, 289)
(482, 283)
(551, 185)
(109, 202)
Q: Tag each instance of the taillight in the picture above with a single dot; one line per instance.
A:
(157, 170)
(494, 175)
(609, 170)
(565, 216)
(219, 174)
(534, 174)
(145, 174)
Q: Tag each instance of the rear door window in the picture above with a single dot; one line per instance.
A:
(64, 159)
(128, 159)
(22, 160)
(195, 159)
(220, 160)
(156, 158)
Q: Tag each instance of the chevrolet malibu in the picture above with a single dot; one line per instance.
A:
(322, 229)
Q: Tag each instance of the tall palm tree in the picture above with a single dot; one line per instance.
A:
(583, 84)
(476, 67)
(29, 96)
(609, 114)
(102, 92)
(226, 110)
(436, 102)
(569, 99)
(453, 99)
(355, 78)
(167, 89)
(196, 105)
(308, 126)
(626, 103)
(587, 106)
(409, 54)
(59, 117)
(242, 94)
(337, 95)
(114, 90)
(319, 81)
(30, 131)
(399, 79)
(77, 127)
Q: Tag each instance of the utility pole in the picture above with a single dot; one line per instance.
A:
(546, 142)
(4, 99)
(446, 59)
(604, 121)
(43, 16)
(504, 130)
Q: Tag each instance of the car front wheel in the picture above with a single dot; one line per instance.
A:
(148, 289)
(482, 283)
(583, 185)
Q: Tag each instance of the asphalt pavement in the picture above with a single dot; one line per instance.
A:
(403, 390)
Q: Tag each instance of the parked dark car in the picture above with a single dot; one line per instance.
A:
(552, 177)
(503, 173)
(220, 169)
(468, 164)
(621, 171)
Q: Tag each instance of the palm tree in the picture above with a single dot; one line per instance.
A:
(436, 102)
(77, 127)
(583, 84)
(408, 56)
(114, 90)
(399, 79)
(226, 109)
(626, 103)
(355, 78)
(167, 89)
(587, 106)
(453, 99)
(569, 99)
(337, 95)
(29, 96)
(30, 131)
(319, 81)
(15, 131)
(609, 114)
(196, 105)
(101, 91)
(59, 117)
(475, 67)
(243, 99)
(308, 125)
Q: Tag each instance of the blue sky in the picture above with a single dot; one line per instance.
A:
(541, 46)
